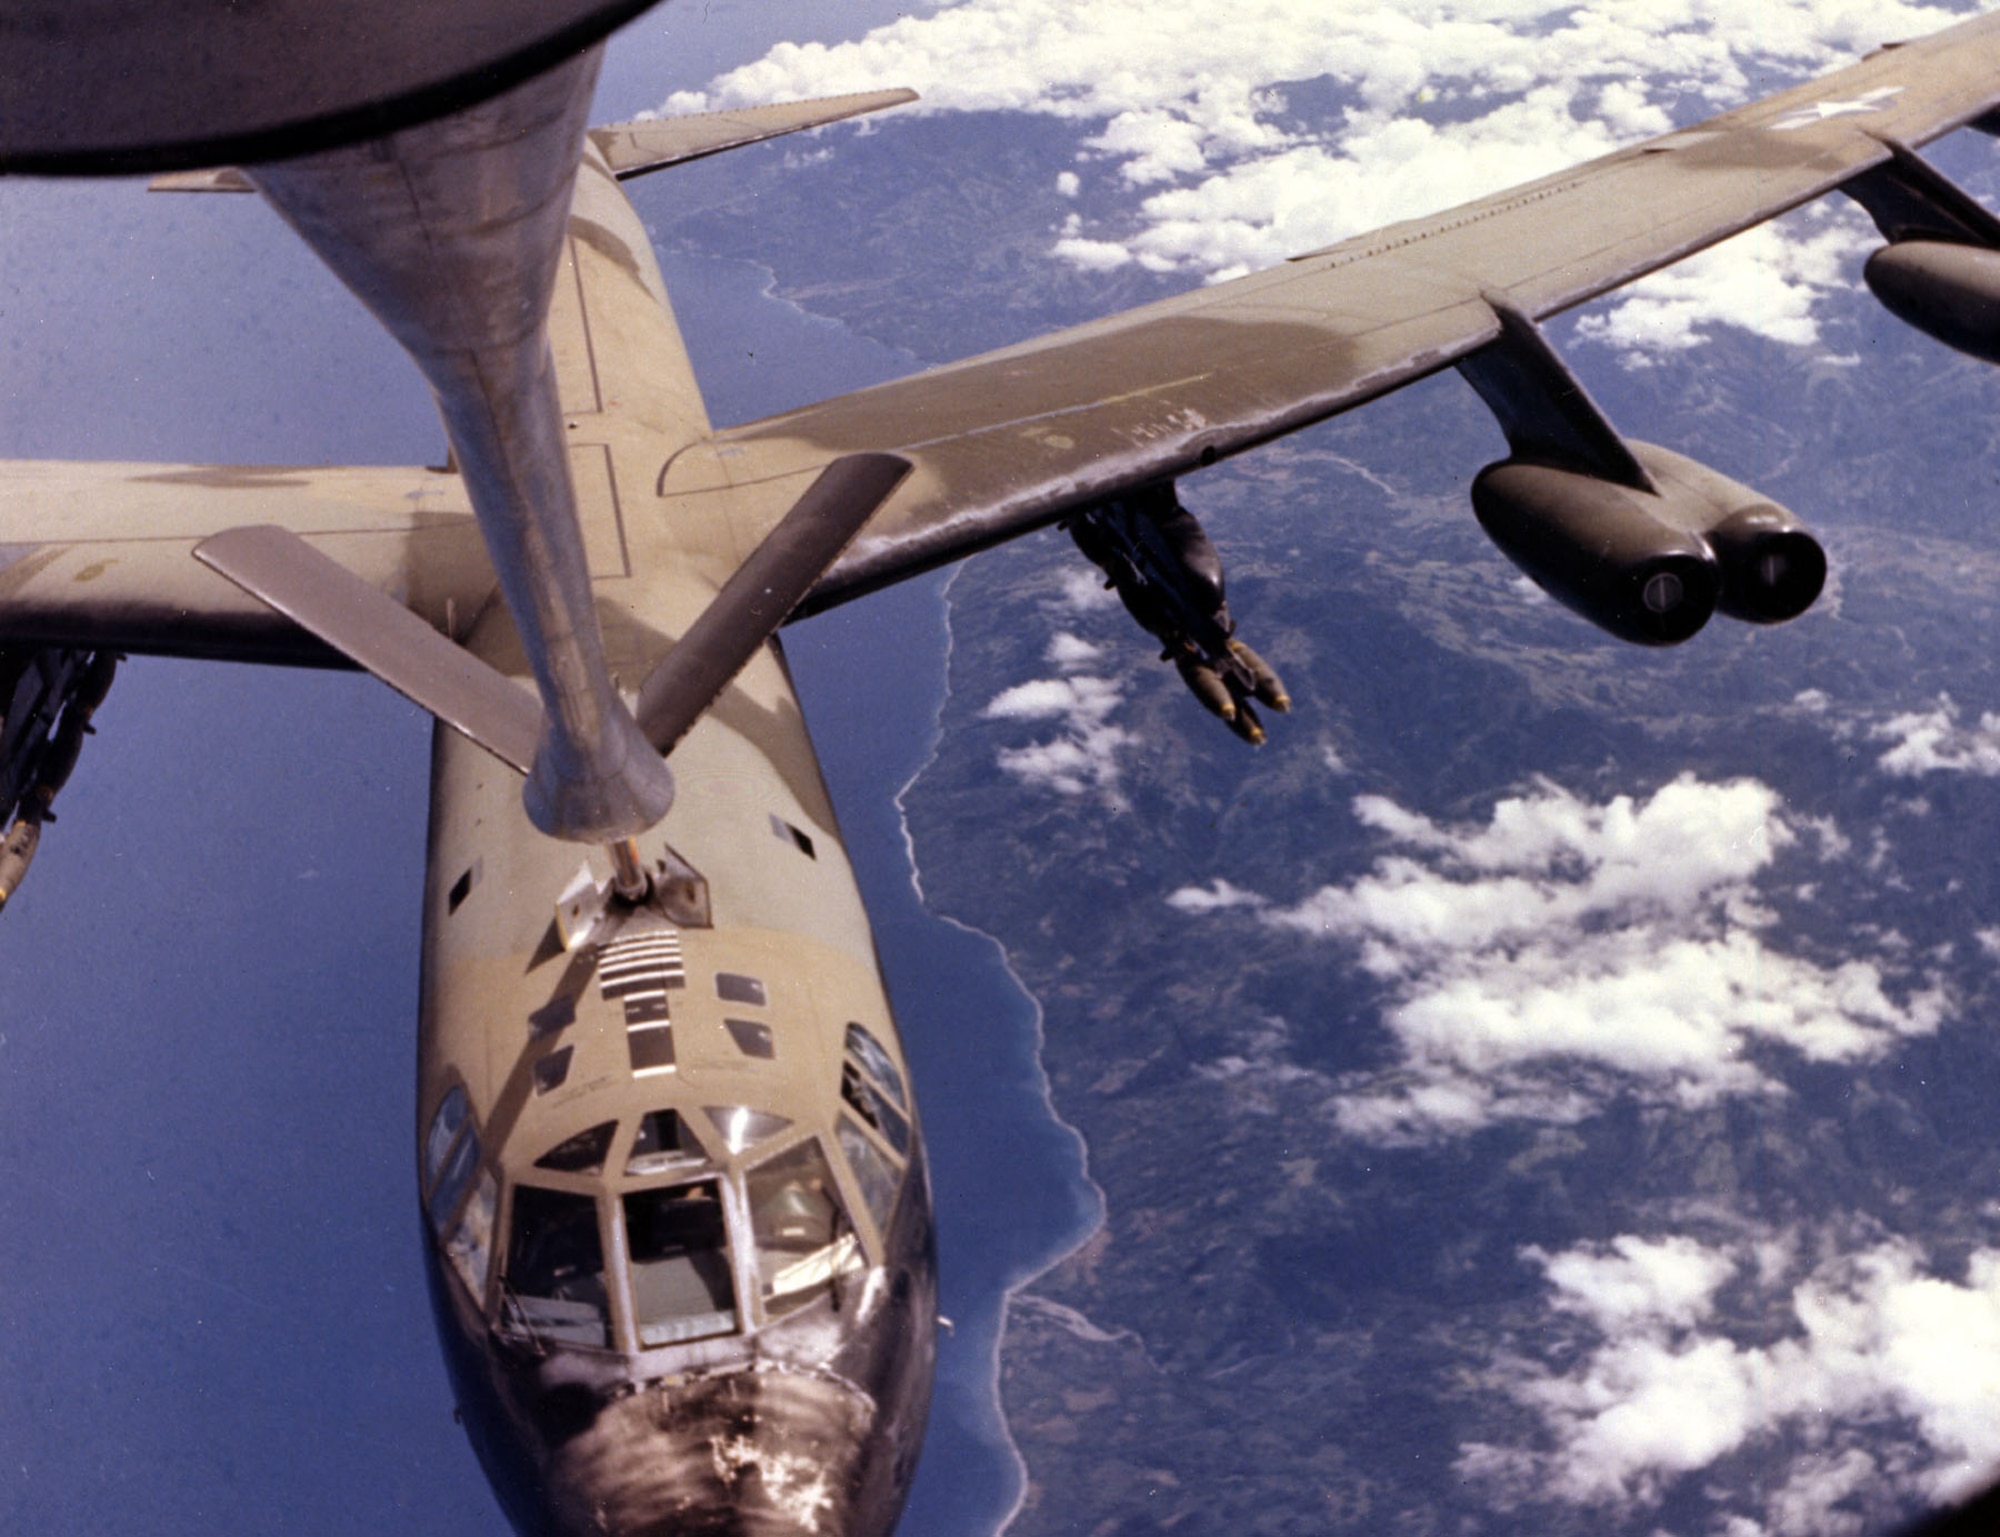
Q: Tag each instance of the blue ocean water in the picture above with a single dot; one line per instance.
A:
(1011, 1188)
(213, 1309)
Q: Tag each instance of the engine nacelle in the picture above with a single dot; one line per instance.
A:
(1949, 292)
(1651, 567)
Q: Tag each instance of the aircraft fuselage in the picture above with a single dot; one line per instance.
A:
(676, 1213)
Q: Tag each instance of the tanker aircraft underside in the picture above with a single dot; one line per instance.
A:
(669, 1160)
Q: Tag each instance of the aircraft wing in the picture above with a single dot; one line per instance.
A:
(100, 555)
(1020, 437)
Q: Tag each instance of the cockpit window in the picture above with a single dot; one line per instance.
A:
(451, 1155)
(452, 1179)
(803, 1237)
(663, 1142)
(872, 1105)
(555, 1267)
(743, 1127)
(444, 1126)
(866, 1050)
(470, 1244)
(681, 1287)
(873, 1171)
(582, 1153)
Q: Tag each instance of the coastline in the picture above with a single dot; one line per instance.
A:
(1011, 1181)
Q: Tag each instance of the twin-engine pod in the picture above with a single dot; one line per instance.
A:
(1651, 566)
(1948, 291)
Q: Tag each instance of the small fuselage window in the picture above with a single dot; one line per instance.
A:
(752, 1037)
(733, 987)
(679, 1243)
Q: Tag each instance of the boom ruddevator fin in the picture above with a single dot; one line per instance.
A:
(633, 149)
(365, 624)
(378, 634)
(762, 593)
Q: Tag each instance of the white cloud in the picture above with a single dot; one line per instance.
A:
(1072, 653)
(1216, 897)
(1093, 255)
(1419, 104)
(1084, 591)
(1932, 741)
(1257, 1077)
(1767, 280)
(1564, 952)
(1085, 757)
(1637, 1282)
(1665, 1391)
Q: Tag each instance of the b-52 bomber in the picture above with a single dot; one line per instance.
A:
(668, 1151)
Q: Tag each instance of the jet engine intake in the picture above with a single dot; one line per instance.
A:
(1948, 291)
(1650, 566)
(1772, 569)
(1596, 548)
(1164, 568)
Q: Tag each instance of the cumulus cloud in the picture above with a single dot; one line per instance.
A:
(1083, 591)
(1227, 164)
(1072, 653)
(1084, 757)
(1767, 280)
(1564, 952)
(1665, 1391)
(1216, 897)
(1933, 742)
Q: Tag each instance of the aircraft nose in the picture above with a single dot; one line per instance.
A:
(762, 1451)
